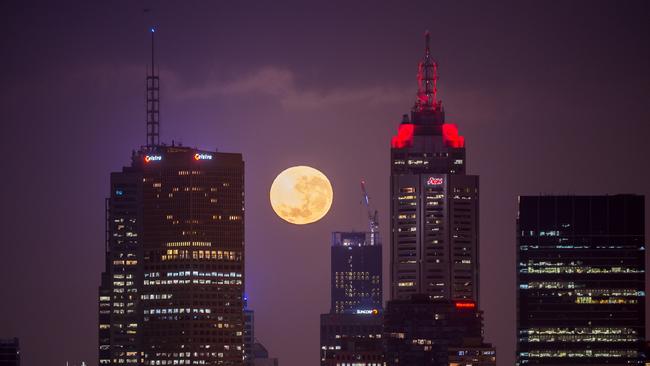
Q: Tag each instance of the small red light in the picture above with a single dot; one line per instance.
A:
(465, 304)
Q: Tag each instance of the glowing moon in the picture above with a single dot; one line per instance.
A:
(301, 195)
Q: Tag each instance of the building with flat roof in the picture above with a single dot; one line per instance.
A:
(581, 280)
(9, 352)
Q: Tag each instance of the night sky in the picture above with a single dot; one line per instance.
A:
(552, 98)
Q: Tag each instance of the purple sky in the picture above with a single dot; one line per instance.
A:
(552, 97)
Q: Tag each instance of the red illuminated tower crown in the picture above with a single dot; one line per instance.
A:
(427, 115)
(427, 81)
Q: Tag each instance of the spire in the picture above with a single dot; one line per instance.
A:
(427, 80)
(153, 100)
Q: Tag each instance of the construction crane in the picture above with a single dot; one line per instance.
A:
(373, 220)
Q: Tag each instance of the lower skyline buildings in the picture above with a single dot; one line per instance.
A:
(9, 352)
(581, 280)
(426, 332)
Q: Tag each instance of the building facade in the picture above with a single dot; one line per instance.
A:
(434, 204)
(175, 276)
(249, 333)
(9, 352)
(351, 332)
(425, 332)
(356, 273)
(172, 291)
(581, 280)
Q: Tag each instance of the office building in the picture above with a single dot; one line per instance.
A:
(9, 352)
(425, 332)
(260, 356)
(348, 338)
(172, 291)
(356, 273)
(472, 355)
(249, 333)
(351, 332)
(434, 203)
(581, 280)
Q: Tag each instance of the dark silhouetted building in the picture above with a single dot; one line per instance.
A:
(354, 339)
(249, 333)
(356, 273)
(351, 332)
(9, 352)
(581, 280)
(434, 204)
(172, 291)
(426, 332)
(472, 355)
(261, 356)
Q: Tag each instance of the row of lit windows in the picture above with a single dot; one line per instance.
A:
(591, 292)
(580, 270)
(579, 330)
(199, 282)
(580, 353)
(576, 246)
(172, 254)
(615, 338)
(125, 263)
(193, 273)
(178, 311)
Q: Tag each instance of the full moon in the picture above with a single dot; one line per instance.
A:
(301, 195)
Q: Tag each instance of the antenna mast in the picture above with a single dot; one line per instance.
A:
(153, 101)
(373, 220)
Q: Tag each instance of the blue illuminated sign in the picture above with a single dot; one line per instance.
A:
(202, 157)
(150, 158)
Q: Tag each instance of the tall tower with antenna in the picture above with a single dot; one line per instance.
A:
(153, 100)
(173, 286)
(434, 203)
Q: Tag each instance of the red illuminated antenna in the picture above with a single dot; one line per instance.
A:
(153, 100)
(427, 98)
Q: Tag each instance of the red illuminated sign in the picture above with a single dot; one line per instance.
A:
(465, 304)
(433, 181)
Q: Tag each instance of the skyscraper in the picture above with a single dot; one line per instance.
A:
(581, 280)
(9, 352)
(172, 291)
(351, 331)
(426, 332)
(356, 273)
(249, 333)
(434, 204)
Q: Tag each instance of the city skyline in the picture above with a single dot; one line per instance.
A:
(573, 124)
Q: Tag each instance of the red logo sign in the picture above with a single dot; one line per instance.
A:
(433, 181)
(465, 305)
